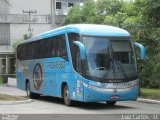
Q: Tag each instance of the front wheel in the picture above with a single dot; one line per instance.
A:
(29, 93)
(111, 102)
(66, 96)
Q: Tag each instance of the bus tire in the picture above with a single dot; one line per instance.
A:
(66, 96)
(111, 102)
(29, 93)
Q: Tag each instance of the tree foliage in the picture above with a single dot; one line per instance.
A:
(141, 18)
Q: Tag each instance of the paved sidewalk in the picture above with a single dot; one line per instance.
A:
(148, 101)
(10, 90)
(14, 91)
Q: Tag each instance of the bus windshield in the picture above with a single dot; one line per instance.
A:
(109, 59)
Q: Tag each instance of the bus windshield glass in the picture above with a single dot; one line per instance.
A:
(109, 59)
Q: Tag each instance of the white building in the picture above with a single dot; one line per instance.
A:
(14, 23)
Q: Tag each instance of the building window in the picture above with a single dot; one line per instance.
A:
(4, 34)
(70, 4)
(58, 5)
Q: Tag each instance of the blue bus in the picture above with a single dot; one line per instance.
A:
(81, 62)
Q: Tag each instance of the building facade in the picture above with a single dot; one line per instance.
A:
(6, 51)
(14, 23)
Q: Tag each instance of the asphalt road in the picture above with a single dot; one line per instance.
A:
(51, 105)
(50, 108)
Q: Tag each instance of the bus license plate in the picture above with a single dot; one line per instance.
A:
(114, 97)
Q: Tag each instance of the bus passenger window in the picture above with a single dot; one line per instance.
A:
(62, 50)
(50, 48)
(78, 61)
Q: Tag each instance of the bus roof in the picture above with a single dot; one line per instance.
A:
(84, 29)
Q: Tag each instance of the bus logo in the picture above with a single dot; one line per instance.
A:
(114, 90)
(37, 76)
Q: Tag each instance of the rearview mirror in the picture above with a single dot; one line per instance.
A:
(143, 50)
(82, 49)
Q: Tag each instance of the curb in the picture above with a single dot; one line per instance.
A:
(10, 86)
(148, 101)
(15, 102)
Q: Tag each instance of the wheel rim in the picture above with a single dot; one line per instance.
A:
(28, 90)
(66, 96)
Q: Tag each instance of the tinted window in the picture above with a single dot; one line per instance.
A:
(23, 52)
(58, 5)
(46, 48)
(18, 52)
(62, 51)
(51, 47)
(70, 4)
(73, 37)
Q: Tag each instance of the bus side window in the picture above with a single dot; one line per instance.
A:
(36, 50)
(77, 60)
(32, 50)
(47, 48)
(23, 54)
(50, 47)
(73, 37)
(18, 52)
(62, 49)
(42, 49)
(27, 52)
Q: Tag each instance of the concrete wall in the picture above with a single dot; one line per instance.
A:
(4, 7)
(19, 20)
(42, 6)
(4, 34)
(4, 27)
(18, 30)
(19, 26)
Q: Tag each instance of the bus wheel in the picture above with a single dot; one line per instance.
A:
(29, 93)
(66, 96)
(28, 90)
(111, 102)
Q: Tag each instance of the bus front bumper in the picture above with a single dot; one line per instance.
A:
(95, 94)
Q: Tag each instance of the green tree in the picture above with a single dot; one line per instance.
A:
(74, 16)
(15, 44)
(1, 80)
(25, 36)
(109, 7)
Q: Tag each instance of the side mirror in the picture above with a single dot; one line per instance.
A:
(82, 49)
(143, 50)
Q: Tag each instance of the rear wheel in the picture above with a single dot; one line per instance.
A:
(111, 102)
(29, 93)
(66, 96)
